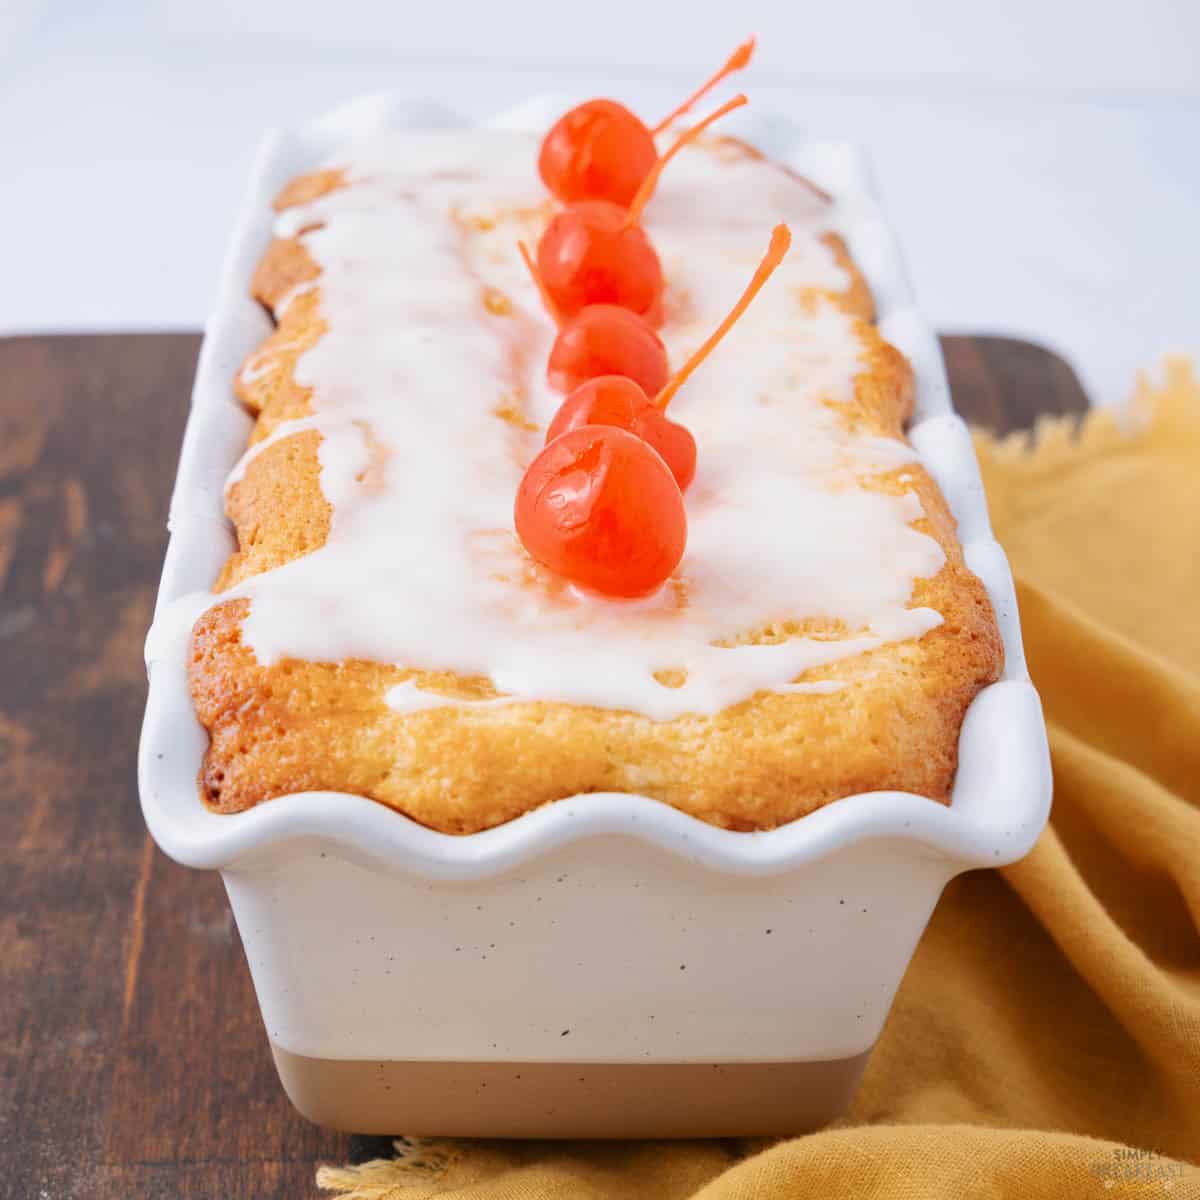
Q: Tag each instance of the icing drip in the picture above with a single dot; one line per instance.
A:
(432, 372)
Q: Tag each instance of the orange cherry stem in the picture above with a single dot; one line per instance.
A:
(781, 240)
(737, 60)
(643, 194)
(540, 284)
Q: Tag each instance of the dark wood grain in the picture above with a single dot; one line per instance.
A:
(132, 1056)
(1004, 384)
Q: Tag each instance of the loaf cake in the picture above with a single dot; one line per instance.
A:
(381, 631)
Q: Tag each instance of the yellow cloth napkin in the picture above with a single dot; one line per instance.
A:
(1046, 1039)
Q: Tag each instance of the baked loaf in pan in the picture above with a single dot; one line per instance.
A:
(379, 630)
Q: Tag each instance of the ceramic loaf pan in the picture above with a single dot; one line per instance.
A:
(603, 966)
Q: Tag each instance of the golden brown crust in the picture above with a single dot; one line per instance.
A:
(284, 478)
(266, 383)
(856, 298)
(304, 189)
(285, 267)
(295, 726)
(754, 766)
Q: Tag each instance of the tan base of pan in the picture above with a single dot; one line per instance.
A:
(569, 1100)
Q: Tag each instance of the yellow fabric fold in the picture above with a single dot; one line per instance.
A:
(1046, 1039)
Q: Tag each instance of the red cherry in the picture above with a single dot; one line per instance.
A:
(598, 151)
(591, 254)
(602, 151)
(604, 339)
(595, 252)
(614, 400)
(601, 339)
(601, 508)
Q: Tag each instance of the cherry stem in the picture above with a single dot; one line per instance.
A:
(736, 61)
(539, 283)
(781, 240)
(646, 190)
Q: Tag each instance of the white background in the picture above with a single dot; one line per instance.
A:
(1040, 160)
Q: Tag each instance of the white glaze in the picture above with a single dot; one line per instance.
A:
(422, 568)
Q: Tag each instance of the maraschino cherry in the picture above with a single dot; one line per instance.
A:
(601, 151)
(602, 504)
(605, 339)
(596, 252)
(601, 508)
(601, 339)
(613, 400)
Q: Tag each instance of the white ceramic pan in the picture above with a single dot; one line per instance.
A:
(605, 965)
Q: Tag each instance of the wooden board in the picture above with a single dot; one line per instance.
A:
(132, 1056)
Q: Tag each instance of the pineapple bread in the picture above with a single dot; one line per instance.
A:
(381, 631)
